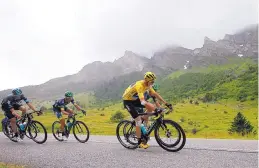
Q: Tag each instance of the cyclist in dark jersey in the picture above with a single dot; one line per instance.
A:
(60, 107)
(14, 102)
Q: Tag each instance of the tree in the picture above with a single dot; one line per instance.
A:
(117, 117)
(241, 125)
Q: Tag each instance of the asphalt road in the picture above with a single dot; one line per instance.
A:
(105, 152)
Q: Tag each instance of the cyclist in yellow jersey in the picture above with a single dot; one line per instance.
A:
(134, 97)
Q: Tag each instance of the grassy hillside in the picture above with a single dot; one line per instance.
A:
(235, 81)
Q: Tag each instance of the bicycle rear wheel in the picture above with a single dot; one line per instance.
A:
(56, 131)
(128, 130)
(79, 126)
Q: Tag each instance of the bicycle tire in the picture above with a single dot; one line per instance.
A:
(119, 138)
(44, 129)
(53, 131)
(87, 130)
(171, 148)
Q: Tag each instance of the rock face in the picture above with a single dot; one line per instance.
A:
(97, 74)
(172, 57)
(131, 62)
(243, 43)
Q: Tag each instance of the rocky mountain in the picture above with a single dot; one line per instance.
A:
(99, 75)
(243, 43)
(89, 77)
(174, 57)
(131, 62)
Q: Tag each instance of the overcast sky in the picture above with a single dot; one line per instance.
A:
(40, 40)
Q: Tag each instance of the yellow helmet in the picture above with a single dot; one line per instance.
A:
(149, 76)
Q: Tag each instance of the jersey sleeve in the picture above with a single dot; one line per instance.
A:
(25, 99)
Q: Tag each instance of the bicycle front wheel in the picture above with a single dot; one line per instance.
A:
(36, 130)
(173, 136)
(81, 131)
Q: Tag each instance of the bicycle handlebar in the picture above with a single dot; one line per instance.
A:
(74, 114)
(155, 113)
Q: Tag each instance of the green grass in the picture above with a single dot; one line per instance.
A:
(210, 120)
(8, 165)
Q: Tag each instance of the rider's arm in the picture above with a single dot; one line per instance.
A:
(76, 105)
(153, 93)
(31, 106)
(156, 102)
(28, 103)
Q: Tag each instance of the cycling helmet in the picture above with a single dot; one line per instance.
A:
(149, 76)
(17, 91)
(68, 94)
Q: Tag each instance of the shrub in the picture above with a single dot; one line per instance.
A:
(117, 117)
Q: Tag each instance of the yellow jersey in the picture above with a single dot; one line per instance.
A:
(137, 90)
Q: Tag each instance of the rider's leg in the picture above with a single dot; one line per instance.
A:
(62, 125)
(130, 106)
(61, 120)
(138, 131)
(11, 118)
(14, 126)
(150, 108)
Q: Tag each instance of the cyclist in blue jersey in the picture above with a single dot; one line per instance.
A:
(60, 107)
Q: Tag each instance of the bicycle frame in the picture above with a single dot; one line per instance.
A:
(28, 116)
(156, 123)
(73, 123)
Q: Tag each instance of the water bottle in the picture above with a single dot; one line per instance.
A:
(21, 126)
(143, 129)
